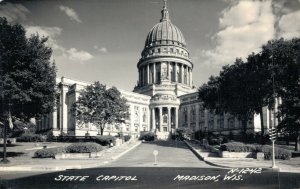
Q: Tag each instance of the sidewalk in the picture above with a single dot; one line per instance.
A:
(292, 165)
(47, 164)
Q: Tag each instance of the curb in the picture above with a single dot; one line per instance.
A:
(202, 158)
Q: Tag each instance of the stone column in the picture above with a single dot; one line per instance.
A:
(187, 76)
(148, 74)
(169, 71)
(169, 119)
(153, 119)
(154, 73)
(182, 74)
(175, 71)
(191, 77)
(160, 119)
(176, 117)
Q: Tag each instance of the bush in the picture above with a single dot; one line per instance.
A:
(85, 147)
(147, 136)
(105, 140)
(31, 138)
(46, 153)
(280, 153)
(127, 138)
(240, 147)
(184, 133)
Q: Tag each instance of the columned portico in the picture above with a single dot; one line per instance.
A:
(166, 120)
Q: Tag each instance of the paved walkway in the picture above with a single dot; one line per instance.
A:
(170, 154)
(47, 164)
(292, 165)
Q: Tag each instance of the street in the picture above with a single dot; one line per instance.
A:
(177, 167)
(170, 154)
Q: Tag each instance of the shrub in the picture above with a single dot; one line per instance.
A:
(147, 136)
(31, 138)
(240, 147)
(105, 140)
(213, 141)
(184, 133)
(280, 153)
(127, 138)
(46, 153)
(85, 147)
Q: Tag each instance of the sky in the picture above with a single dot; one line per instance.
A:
(101, 40)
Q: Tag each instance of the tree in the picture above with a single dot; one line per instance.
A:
(27, 77)
(100, 106)
(286, 69)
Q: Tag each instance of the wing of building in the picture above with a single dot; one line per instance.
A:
(163, 100)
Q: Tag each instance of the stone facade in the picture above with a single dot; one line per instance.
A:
(163, 99)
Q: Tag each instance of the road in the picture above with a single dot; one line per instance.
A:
(170, 154)
(177, 168)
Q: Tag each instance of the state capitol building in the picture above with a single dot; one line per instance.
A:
(164, 98)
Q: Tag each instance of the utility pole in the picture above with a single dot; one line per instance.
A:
(273, 132)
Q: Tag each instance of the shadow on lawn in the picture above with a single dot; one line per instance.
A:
(12, 154)
(9, 145)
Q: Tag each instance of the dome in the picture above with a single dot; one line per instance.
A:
(165, 31)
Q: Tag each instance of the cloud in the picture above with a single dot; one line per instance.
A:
(244, 27)
(13, 12)
(289, 25)
(100, 49)
(52, 33)
(78, 55)
(70, 13)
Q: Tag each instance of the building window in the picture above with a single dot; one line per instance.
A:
(136, 114)
(193, 114)
(165, 118)
(211, 124)
(144, 115)
(231, 123)
(165, 129)
(185, 115)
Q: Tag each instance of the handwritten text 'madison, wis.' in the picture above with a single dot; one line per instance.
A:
(235, 174)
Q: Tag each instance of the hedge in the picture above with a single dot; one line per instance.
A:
(31, 138)
(84, 147)
(105, 140)
(280, 153)
(46, 153)
(147, 136)
(127, 138)
(240, 147)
